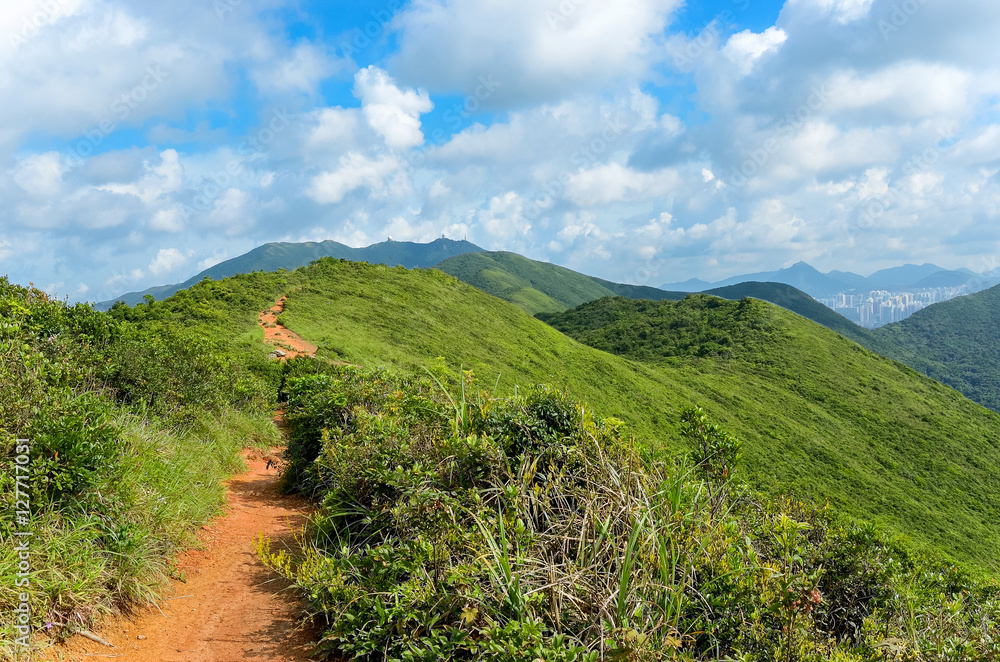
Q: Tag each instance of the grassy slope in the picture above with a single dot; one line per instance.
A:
(536, 287)
(540, 287)
(122, 469)
(820, 415)
(956, 342)
(283, 255)
(796, 301)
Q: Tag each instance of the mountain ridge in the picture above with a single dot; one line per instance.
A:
(287, 255)
(824, 285)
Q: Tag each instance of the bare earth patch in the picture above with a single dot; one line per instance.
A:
(281, 338)
(231, 607)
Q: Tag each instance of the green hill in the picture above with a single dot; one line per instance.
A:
(796, 301)
(820, 416)
(834, 410)
(275, 256)
(538, 287)
(956, 342)
(533, 286)
(541, 287)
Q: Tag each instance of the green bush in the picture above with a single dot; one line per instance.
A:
(130, 430)
(457, 525)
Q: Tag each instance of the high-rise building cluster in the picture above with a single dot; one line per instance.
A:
(879, 307)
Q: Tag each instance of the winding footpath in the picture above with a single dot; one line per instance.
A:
(285, 341)
(229, 606)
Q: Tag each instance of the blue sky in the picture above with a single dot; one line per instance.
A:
(645, 141)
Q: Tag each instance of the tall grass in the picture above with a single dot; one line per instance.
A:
(90, 561)
(132, 429)
(518, 528)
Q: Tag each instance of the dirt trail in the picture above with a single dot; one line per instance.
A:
(231, 607)
(281, 338)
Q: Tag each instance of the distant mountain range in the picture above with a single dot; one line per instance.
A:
(274, 256)
(823, 285)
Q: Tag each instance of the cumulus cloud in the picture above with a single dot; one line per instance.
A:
(821, 137)
(40, 175)
(745, 48)
(561, 48)
(843, 11)
(355, 171)
(166, 261)
(301, 70)
(392, 112)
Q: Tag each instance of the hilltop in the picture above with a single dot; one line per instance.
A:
(953, 342)
(820, 416)
(542, 287)
(538, 287)
(289, 256)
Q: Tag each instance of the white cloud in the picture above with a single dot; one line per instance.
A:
(212, 260)
(356, 171)
(535, 51)
(159, 179)
(336, 130)
(843, 11)
(166, 261)
(746, 48)
(40, 175)
(302, 70)
(907, 89)
(614, 182)
(232, 213)
(168, 220)
(392, 112)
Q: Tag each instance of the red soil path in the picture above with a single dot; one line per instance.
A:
(231, 607)
(281, 338)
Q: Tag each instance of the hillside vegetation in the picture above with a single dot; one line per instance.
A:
(115, 436)
(457, 525)
(465, 511)
(820, 416)
(538, 287)
(956, 342)
(541, 287)
(796, 301)
(285, 255)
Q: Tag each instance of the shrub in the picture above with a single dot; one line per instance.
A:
(457, 525)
